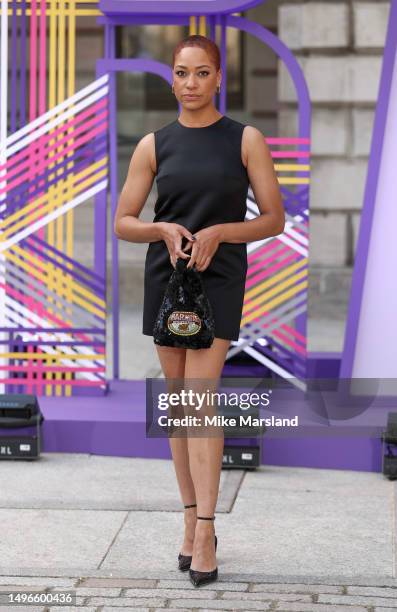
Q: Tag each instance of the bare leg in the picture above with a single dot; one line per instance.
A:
(206, 453)
(172, 362)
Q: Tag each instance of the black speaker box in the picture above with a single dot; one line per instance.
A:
(20, 411)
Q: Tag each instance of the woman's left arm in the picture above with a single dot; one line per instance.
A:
(264, 183)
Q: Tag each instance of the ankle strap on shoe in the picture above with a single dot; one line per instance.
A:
(207, 518)
(191, 506)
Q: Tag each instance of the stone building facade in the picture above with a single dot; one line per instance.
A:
(340, 46)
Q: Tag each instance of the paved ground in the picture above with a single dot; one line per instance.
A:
(239, 592)
(110, 528)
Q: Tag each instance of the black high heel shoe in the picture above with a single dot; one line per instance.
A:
(184, 561)
(199, 578)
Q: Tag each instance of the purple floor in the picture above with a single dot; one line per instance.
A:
(115, 425)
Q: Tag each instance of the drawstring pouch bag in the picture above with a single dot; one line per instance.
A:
(185, 318)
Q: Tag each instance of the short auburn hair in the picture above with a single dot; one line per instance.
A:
(196, 40)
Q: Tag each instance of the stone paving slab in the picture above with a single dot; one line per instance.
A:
(115, 592)
(79, 481)
(57, 538)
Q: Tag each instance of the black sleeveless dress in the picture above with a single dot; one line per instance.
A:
(201, 181)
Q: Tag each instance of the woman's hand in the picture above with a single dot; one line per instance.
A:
(203, 248)
(172, 234)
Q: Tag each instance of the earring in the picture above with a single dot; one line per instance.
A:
(218, 90)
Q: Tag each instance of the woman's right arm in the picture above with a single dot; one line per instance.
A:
(136, 189)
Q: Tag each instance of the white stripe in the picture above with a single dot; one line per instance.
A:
(275, 368)
(253, 246)
(26, 129)
(287, 230)
(82, 197)
(253, 207)
(294, 234)
(48, 126)
(23, 317)
(293, 245)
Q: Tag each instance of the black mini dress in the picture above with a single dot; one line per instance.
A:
(201, 181)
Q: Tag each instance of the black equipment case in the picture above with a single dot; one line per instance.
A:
(20, 411)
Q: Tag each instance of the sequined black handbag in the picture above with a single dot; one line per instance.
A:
(185, 318)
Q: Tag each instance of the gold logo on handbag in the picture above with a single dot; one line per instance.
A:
(184, 323)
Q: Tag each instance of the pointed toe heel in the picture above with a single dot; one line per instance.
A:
(198, 578)
(184, 561)
(201, 578)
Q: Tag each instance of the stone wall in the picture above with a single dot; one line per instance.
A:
(339, 46)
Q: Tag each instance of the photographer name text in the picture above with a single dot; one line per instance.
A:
(225, 421)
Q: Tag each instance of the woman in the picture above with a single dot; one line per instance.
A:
(203, 163)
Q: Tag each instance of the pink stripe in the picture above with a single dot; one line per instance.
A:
(271, 269)
(284, 326)
(293, 332)
(43, 59)
(289, 141)
(277, 333)
(270, 246)
(300, 231)
(44, 163)
(28, 372)
(39, 309)
(42, 101)
(33, 60)
(32, 108)
(54, 383)
(46, 137)
(49, 368)
(17, 170)
(288, 342)
(263, 262)
(42, 84)
(38, 369)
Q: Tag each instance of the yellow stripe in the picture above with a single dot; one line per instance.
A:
(71, 30)
(42, 275)
(27, 217)
(202, 26)
(46, 266)
(273, 303)
(291, 167)
(275, 278)
(279, 288)
(192, 25)
(293, 181)
(60, 185)
(52, 190)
